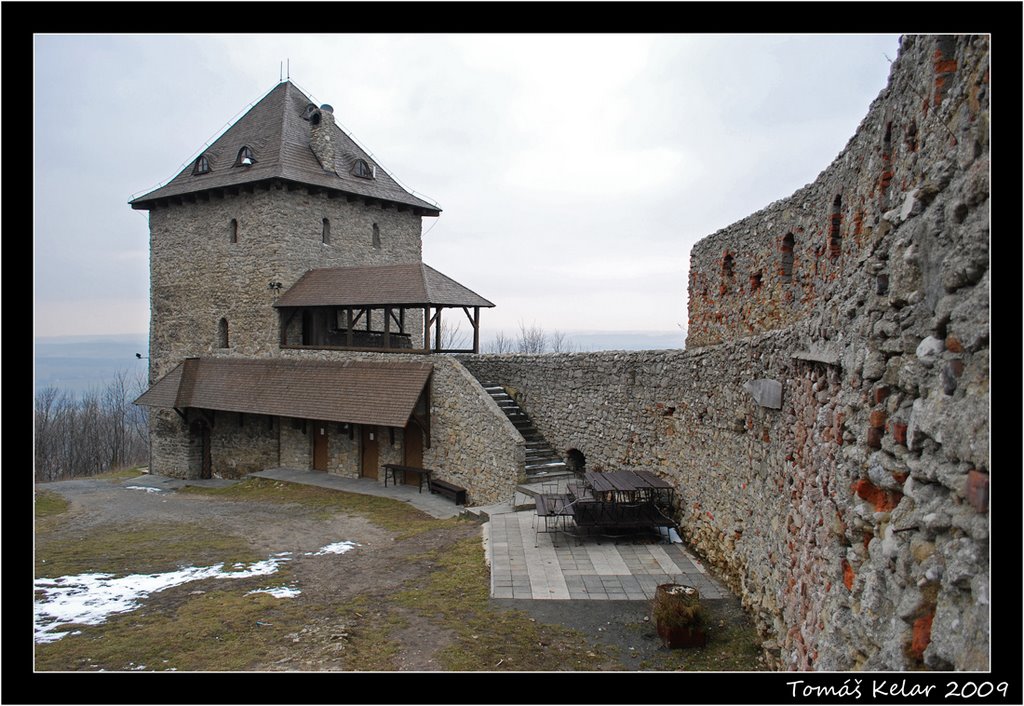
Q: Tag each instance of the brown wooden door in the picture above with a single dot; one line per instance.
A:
(320, 446)
(412, 454)
(369, 456)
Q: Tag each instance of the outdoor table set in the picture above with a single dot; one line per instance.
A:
(612, 504)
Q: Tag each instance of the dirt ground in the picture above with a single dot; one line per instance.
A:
(346, 598)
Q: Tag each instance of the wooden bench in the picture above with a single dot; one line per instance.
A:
(450, 490)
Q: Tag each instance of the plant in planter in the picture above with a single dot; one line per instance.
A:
(678, 616)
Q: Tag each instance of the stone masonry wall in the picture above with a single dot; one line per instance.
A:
(853, 521)
(198, 277)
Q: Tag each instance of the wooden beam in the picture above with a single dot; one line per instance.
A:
(348, 332)
(427, 321)
(387, 332)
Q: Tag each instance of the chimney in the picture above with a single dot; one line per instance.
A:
(321, 136)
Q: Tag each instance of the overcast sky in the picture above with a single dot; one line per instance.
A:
(574, 172)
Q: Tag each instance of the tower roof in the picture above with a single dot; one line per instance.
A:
(276, 132)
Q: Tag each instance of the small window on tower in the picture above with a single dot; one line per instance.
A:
(202, 165)
(222, 333)
(362, 169)
(245, 157)
(326, 235)
(376, 236)
(233, 231)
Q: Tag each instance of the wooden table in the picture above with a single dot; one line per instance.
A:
(621, 500)
(392, 469)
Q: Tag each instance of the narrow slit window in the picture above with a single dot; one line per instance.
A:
(835, 240)
(787, 258)
(376, 236)
(233, 231)
(222, 333)
(727, 265)
(326, 233)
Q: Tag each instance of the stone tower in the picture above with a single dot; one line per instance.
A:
(279, 258)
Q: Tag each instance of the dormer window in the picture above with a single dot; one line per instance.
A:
(202, 165)
(245, 157)
(362, 169)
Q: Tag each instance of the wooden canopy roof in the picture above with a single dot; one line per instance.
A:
(356, 392)
(414, 284)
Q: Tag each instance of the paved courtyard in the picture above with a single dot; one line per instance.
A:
(598, 569)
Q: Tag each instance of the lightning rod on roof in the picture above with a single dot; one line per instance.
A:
(280, 72)
(289, 69)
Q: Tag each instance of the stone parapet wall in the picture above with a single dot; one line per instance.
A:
(853, 520)
(929, 124)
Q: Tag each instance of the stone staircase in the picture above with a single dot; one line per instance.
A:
(542, 461)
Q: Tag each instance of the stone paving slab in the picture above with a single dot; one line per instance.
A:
(548, 566)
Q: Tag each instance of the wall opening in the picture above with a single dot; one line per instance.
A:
(786, 273)
(376, 236)
(575, 461)
(835, 240)
(325, 234)
(222, 333)
(233, 231)
(755, 281)
(727, 267)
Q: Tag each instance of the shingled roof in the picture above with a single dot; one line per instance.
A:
(279, 137)
(392, 285)
(356, 392)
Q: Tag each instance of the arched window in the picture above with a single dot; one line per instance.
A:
(326, 233)
(222, 333)
(233, 231)
(362, 169)
(376, 236)
(202, 165)
(245, 157)
(787, 258)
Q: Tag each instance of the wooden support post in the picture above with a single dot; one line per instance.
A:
(427, 321)
(437, 332)
(348, 331)
(476, 329)
(387, 330)
(401, 320)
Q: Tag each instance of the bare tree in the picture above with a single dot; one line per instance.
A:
(558, 342)
(98, 431)
(454, 338)
(532, 339)
(500, 344)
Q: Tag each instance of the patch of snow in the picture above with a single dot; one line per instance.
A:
(336, 548)
(89, 599)
(143, 487)
(279, 592)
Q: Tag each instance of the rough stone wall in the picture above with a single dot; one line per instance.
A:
(929, 124)
(854, 520)
(242, 443)
(198, 277)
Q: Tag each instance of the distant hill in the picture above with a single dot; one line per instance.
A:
(80, 363)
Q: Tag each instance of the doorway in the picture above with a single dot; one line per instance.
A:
(200, 430)
(320, 446)
(412, 453)
(369, 455)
